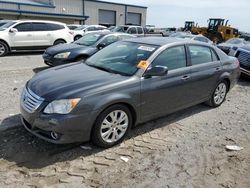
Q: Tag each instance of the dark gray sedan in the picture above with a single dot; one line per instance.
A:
(126, 83)
(81, 49)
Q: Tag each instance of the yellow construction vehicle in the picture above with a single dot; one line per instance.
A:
(218, 30)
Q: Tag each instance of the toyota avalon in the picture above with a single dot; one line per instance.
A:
(122, 85)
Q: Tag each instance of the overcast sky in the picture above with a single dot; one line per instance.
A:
(173, 13)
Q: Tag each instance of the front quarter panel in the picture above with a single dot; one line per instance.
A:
(127, 92)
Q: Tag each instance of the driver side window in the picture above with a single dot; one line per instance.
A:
(173, 58)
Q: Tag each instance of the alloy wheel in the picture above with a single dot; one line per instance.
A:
(114, 126)
(220, 93)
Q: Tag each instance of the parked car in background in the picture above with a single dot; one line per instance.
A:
(32, 35)
(130, 29)
(185, 35)
(73, 26)
(243, 55)
(167, 31)
(231, 45)
(125, 84)
(80, 31)
(81, 49)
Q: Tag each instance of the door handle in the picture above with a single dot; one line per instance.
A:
(185, 78)
(29, 35)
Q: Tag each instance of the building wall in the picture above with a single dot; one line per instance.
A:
(92, 10)
(71, 7)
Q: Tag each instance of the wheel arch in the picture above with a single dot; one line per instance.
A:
(60, 39)
(5, 43)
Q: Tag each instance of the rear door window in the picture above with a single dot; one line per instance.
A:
(140, 31)
(54, 27)
(200, 54)
(173, 58)
(40, 27)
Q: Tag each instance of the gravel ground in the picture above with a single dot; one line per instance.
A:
(185, 149)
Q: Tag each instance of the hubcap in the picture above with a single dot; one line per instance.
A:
(2, 49)
(114, 126)
(220, 93)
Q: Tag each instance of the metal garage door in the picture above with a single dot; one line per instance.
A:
(107, 17)
(134, 18)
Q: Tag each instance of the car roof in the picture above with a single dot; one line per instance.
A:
(42, 21)
(161, 41)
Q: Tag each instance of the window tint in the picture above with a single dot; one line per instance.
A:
(54, 27)
(132, 30)
(110, 39)
(23, 27)
(140, 31)
(39, 27)
(200, 55)
(173, 58)
(91, 28)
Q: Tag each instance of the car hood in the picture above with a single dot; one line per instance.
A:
(72, 80)
(67, 48)
(246, 47)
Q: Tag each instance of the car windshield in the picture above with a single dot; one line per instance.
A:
(234, 41)
(6, 25)
(89, 39)
(121, 57)
(80, 28)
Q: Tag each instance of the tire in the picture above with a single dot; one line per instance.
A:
(219, 95)
(77, 37)
(217, 39)
(108, 127)
(59, 42)
(3, 49)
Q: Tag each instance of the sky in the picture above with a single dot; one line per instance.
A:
(173, 13)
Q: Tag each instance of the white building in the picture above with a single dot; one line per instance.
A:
(74, 11)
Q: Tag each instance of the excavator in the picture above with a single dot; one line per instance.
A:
(218, 30)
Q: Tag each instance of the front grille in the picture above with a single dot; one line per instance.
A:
(30, 101)
(244, 59)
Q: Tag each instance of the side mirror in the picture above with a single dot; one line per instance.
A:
(156, 71)
(13, 30)
(101, 46)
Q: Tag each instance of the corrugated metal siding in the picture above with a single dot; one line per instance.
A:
(8, 6)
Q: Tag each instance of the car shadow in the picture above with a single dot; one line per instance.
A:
(25, 150)
(39, 69)
(244, 80)
(25, 53)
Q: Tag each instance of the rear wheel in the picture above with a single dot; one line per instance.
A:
(59, 42)
(219, 95)
(112, 126)
(3, 49)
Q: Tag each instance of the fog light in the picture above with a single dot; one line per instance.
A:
(54, 135)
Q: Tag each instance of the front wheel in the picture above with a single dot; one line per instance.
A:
(219, 95)
(3, 49)
(57, 42)
(112, 126)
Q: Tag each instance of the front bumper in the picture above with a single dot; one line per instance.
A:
(70, 128)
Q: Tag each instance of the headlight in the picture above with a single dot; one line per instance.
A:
(63, 106)
(64, 55)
